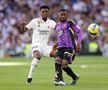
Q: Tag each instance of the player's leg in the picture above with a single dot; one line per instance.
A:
(58, 68)
(58, 72)
(66, 68)
(68, 60)
(70, 72)
(34, 63)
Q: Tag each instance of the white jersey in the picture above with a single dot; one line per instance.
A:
(41, 30)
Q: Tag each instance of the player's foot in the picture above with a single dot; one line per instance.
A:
(75, 81)
(59, 83)
(29, 80)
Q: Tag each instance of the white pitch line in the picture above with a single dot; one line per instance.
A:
(94, 66)
(84, 66)
(12, 63)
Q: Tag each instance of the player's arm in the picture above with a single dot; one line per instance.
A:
(53, 26)
(53, 37)
(53, 34)
(23, 27)
(79, 34)
(54, 40)
(30, 26)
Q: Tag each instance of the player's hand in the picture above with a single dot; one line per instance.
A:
(22, 27)
(78, 47)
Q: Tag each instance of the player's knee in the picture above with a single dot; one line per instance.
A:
(58, 60)
(67, 55)
(64, 66)
(53, 53)
(37, 54)
(64, 63)
(35, 62)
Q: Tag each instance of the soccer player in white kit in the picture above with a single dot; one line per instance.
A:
(42, 28)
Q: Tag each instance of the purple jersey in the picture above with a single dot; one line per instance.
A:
(65, 34)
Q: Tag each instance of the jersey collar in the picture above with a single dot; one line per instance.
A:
(42, 20)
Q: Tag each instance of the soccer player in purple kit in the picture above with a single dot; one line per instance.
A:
(67, 47)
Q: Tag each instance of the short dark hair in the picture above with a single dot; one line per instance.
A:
(44, 6)
(62, 10)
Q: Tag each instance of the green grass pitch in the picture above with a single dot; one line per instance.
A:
(93, 71)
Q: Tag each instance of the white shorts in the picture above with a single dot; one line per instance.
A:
(45, 50)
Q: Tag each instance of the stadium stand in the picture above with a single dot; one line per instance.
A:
(83, 12)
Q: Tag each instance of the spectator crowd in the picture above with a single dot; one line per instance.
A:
(15, 43)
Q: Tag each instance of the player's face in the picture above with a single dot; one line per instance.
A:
(63, 16)
(44, 13)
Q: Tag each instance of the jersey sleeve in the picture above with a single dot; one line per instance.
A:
(53, 31)
(53, 25)
(78, 31)
(31, 25)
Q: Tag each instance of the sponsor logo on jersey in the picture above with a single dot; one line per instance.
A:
(43, 32)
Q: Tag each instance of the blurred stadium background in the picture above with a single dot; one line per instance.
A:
(15, 43)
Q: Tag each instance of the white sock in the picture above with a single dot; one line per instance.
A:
(34, 64)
